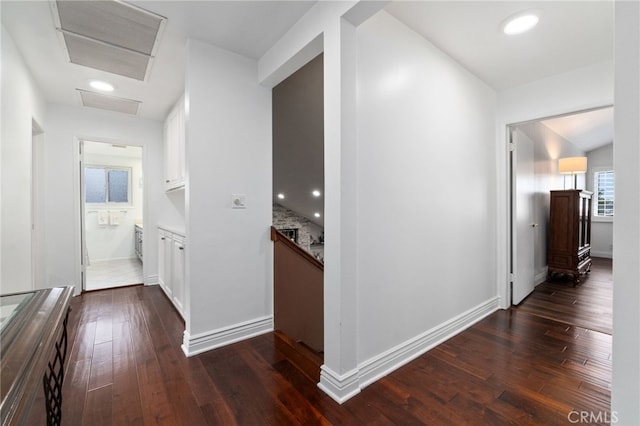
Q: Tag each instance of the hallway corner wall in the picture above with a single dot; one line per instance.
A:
(22, 102)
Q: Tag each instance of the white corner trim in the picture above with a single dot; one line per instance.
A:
(151, 279)
(541, 277)
(343, 387)
(386, 362)
(337, 386)
(202, 342)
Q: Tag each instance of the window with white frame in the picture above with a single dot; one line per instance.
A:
(603, 186)
(107, 185)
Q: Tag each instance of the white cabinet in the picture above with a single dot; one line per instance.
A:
(174, 141)
(171, 246)
(177, 267)
(164, 260)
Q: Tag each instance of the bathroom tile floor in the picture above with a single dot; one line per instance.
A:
(113, 273)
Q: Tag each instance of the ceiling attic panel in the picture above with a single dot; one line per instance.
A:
(112, 22)
(110, 36)
(83, 51)
(111, 103)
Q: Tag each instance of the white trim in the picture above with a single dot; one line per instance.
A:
(78, 197)
(151, 279)
(340, 387)
(345, 386)
(602, 219)
(541, 277)
(386, 362)
(605, 254)
(110, 259)
(202, 342)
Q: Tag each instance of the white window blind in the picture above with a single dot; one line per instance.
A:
(603, 184)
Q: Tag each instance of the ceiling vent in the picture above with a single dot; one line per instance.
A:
(109, 35)
(111, 103)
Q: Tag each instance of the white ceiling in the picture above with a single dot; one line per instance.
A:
(570, 35)
(588, 130)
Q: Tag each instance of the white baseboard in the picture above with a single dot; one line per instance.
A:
(202, 342)
(340, 387)
(541, 277)
(343, 387)
(151, 280)
(111, 259)
(605, 254)
(383, 364)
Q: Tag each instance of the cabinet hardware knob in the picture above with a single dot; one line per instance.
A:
(181, 248)
(162, 238)
(166, 181)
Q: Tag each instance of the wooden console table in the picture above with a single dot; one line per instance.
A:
(33, 337)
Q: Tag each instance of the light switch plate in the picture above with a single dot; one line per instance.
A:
(238, 201)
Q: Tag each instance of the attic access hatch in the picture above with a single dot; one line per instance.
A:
(109, 35)
(111, 103)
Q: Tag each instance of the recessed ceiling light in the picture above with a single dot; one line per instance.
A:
(102, 86)
(316, 214)
(521, 22)
(281, 196)
(316, 193)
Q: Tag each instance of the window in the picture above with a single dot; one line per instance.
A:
(603, 185)
(107, 185)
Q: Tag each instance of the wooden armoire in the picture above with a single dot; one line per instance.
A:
(569, 248)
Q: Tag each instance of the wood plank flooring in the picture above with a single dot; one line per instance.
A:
(126, 367)
(588, 305)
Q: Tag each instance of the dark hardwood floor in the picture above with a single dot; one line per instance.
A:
(588, 305)
(514, 367)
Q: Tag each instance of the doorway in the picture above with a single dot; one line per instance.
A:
(536, 147)
(298, 207)
(111, 181)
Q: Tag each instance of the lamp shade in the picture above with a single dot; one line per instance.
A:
(572, 165)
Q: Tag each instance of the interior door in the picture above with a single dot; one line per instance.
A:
(522, 215)
(84, 258)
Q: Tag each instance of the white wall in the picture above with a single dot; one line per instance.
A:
(21, 103)
(548, 147)
(625, 392)
(426, 187)
(66, 126)
(600, 159)
(108, 241)
(228, 151)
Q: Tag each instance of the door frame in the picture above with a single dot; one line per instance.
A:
(37, 203)
(78, 207)
(505, 291)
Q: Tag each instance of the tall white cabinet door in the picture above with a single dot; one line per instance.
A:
(178, 273)
(162, 267)
(165, 254)
(174, 147)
